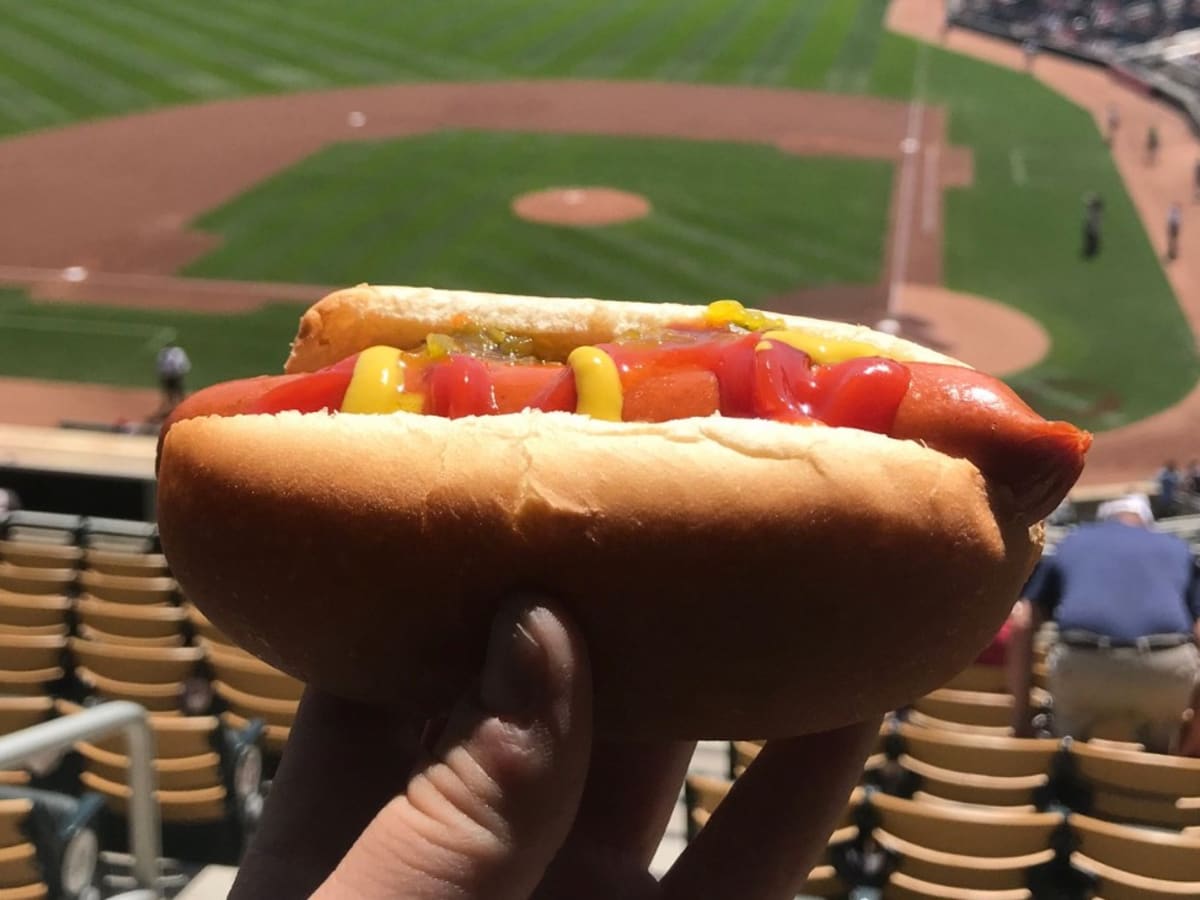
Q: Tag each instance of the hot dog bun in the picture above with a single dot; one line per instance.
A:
(734, 578)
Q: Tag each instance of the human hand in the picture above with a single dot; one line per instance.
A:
(516, 799)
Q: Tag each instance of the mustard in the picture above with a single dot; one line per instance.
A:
(377, 384)
(823, 350)
(731, 312)
(597, 384)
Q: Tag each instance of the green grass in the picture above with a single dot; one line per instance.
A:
(66, 60)
(113, 345)
(392, 211)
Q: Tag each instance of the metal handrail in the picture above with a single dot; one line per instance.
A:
(59, 735)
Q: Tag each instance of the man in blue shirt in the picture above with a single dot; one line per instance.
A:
(1126, 600)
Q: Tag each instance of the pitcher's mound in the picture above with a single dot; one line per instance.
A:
(581, 207)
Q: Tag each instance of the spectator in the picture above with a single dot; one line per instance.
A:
(1174, 221)
(1030, 49)
(1126, 600)
(173, 365)
(1169, 482)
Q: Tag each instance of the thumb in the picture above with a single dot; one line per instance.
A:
(487, 813)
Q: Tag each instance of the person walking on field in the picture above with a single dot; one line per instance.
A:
(173, 365)
(1114, 123)
(1152, 145)
(1093, 220)
(1196, 182)
(1174, 223)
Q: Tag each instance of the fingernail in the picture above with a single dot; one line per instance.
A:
(514, 672)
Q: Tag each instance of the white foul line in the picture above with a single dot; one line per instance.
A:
(932, 189)
(1016, 164)
(911, 146)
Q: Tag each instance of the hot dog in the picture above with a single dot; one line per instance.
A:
(691, 480)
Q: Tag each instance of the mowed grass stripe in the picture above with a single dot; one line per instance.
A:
(392, 57)
(99, 47)
(662, 38)
(230, 66)
(281, 65)
(851, 70)
(773, 59)
(541, 23)
(741, 43)
(823, 44)
(599, 55)
(686, 65)
(22, 108)
(466, 26)
(553, 51)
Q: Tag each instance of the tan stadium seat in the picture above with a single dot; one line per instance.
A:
(29, 683)
(60, 630)
(88, 632)
(157, 698)
(26, 580)
(149, 621)
(274, 736)
(905, 887)
(202, 805)
(185, 773)
(37, 555)
(174, 736)
(23, 653)
(975, 677)
(979, 708)
(33, 610)
(19, 866)
(12, 778)
(21, 712)
(1137, 786)
(970, 787)
(744, 753)
(985, 873)
(921, 720)
(109, 562)
(28, 892)
(128, 588)
(963, 830)
(978, 754)
(246, 673)
(271, 711)
(1137, 863)
(145, 665)
(13, 814)
(205, 628)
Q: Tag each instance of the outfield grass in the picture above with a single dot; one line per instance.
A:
(64, 60)
(110, 345)
(436, 210)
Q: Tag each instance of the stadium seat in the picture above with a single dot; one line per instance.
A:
(203, 627)
(21, 712)
(29, 610)
(972, 788)
(142, 565)
(40, 555)
(905, 887)
(26, 580)
(156, 697)
(246, 673)
(274, 736)
(978, 754)
(142, 665)
(91, 633)
(922, 720)
(48, 847)
(184, 773)
(967, 707)
(1135, 786)
(1136, 863)
(130, 620)
(962, 830)
(251, 706)
(24, 653)
(980, 873)
(29, 682)
(127, 588)
(979, 678)
(118, 535)
(174, 736)
(31, 525)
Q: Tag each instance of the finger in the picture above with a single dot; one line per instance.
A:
(764, 837)
(631, 791)
(344, 762)
(487, 815)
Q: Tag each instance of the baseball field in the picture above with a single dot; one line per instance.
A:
(276, 148)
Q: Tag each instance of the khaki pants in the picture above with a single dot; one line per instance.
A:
(1123, 688)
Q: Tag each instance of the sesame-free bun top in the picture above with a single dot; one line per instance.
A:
(733, 578)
